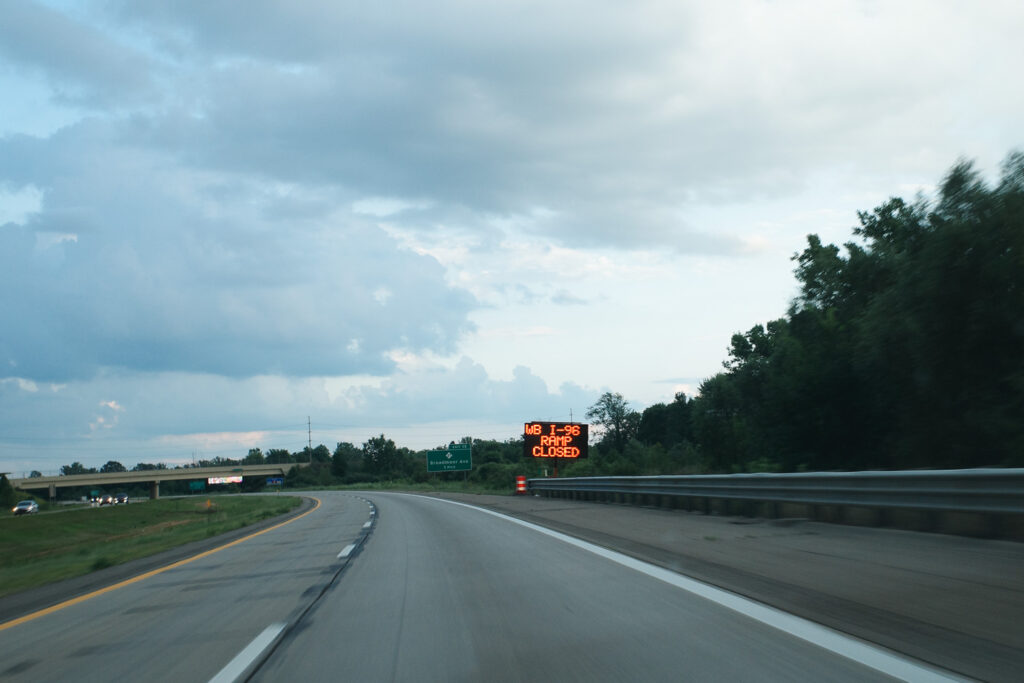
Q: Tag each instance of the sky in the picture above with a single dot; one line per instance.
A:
(224, 229)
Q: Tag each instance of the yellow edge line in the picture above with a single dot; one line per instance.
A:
(135, 579)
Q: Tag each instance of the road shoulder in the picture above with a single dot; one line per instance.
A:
(26, 602)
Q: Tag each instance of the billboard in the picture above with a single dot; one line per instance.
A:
(555, 440)
(237, 479)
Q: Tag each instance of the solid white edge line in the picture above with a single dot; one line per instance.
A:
(368, 525)
(346, 550)
(871, 656)
(247, 656)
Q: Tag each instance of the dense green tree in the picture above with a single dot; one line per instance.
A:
(720, 424)
(943, 347)
(316, 474)
(278, 456)
(76, 468)
(218, 461)
(113, 466)
(8, 496)
(254, 457)
(320, 454)
(904, 350)
(619, 422)
(666, 424)
(344, 453)
(382, 458)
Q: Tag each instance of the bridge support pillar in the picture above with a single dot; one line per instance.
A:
(53, 492)
(154, 490)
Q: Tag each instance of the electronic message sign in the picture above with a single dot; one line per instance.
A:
(555, 440)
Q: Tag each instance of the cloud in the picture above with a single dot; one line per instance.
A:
(438, 393)
(240, 441)
(23, 384)
(109, 417)
(170, 413)
(17, 206)
(85, 65)
(604, 126)
(469, 113)
(565, 298)
(172, 270)
(613, 121)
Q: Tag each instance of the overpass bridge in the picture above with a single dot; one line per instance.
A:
(152, 477)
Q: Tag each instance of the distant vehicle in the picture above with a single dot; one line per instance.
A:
(121, 499)
(25, 507)
(106, 499)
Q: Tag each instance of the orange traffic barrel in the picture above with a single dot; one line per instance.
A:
(520, 485)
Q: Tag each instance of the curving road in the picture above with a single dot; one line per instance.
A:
(419, 589)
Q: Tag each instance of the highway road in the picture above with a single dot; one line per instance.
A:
(392, 587)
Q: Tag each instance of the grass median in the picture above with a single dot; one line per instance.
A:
(39, 549)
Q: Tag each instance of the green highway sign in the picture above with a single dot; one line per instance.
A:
(456, 458)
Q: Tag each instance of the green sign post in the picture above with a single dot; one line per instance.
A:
(456, 458)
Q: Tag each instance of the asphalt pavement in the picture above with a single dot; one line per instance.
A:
(448, 593)
(188, 622)
(380, 586)
(952, 601)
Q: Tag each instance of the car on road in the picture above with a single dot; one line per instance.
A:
(121, 499)
(106, 499)
(26, 507)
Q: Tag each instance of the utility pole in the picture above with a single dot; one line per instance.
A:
(309, 432)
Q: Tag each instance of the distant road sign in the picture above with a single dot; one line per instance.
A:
(456, 458)
(275, 481)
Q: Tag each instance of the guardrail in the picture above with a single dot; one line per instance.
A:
(985, 502)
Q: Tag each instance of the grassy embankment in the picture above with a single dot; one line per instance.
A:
(39, 549)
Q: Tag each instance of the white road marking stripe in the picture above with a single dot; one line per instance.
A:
(871, 656)
(368, 524)
(238, 665)
(346, 550)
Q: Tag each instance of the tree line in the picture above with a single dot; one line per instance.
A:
(379, 459)
(904, 349)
